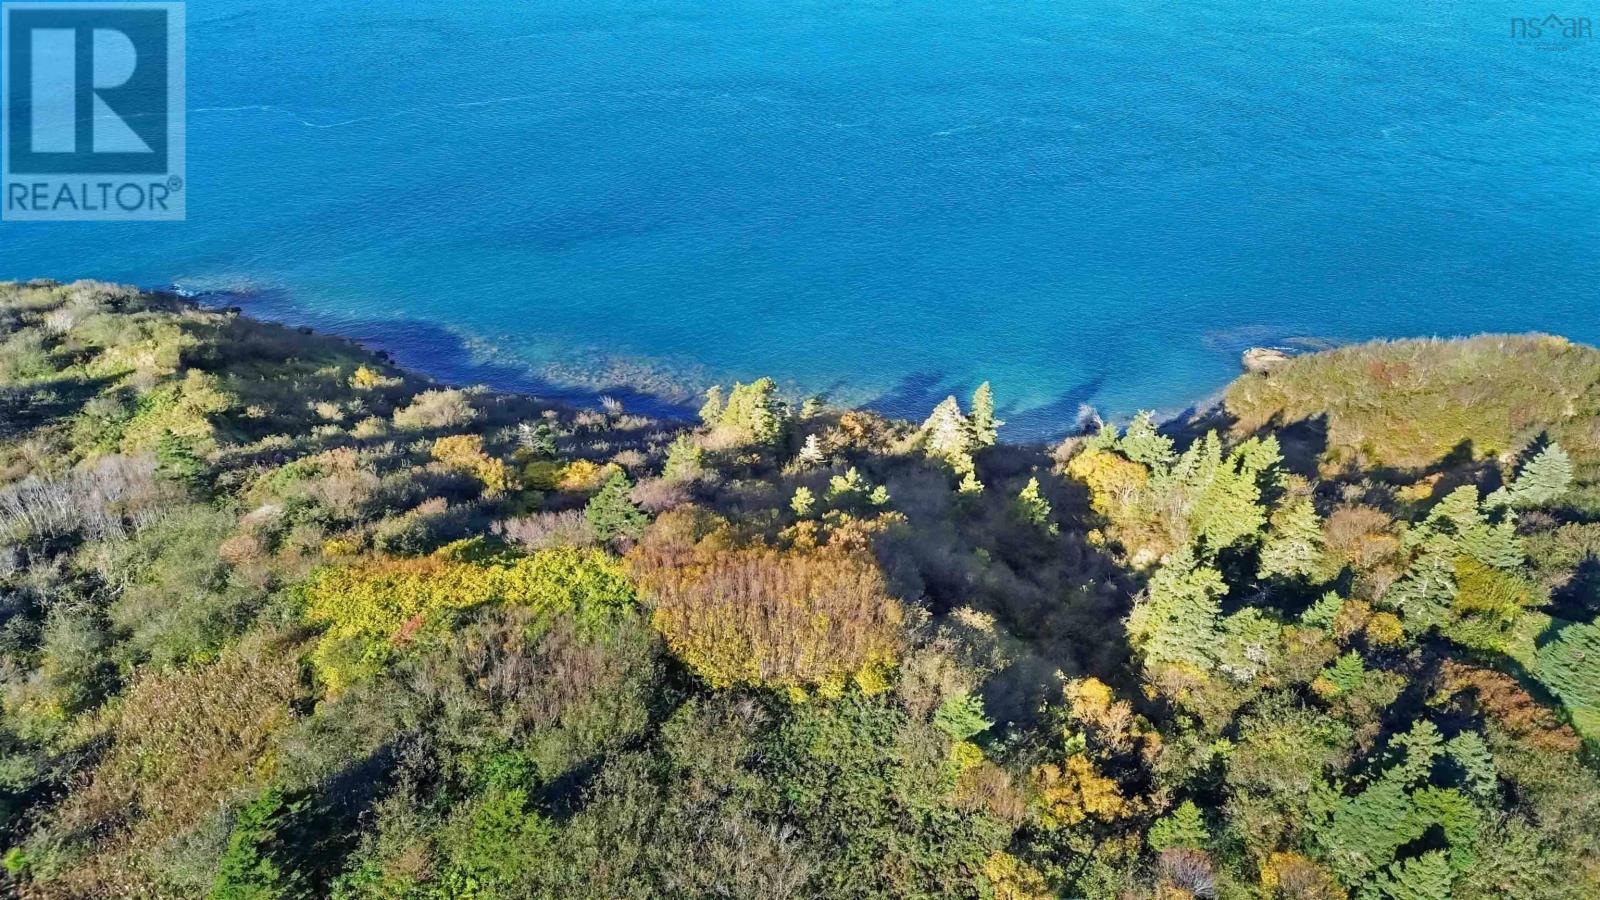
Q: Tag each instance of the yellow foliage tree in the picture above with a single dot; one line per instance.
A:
(1013, 879)
(1075, 791)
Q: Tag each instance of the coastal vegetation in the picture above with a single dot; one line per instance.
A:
(280, 620)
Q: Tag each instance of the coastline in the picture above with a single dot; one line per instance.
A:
(451, 358)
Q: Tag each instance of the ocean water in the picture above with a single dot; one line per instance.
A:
(1085, 203)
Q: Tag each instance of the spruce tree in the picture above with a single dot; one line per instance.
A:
(804, 503)
(1425, 877)
(1033, 508)
(755, 412)
(711, 410)
(685, 460)
(1544, 479)
(1294, 544)
(1176, 619)
(984, 427)
(612, 513)
(946, 432)
(176, 459)
(1183, 827)
(1143, 444)
(1570, 667)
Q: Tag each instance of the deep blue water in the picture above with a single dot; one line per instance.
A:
(1084, 202)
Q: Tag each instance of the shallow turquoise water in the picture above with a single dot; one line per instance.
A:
(1085, 203)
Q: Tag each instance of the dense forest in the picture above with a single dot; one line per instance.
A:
(278, 619)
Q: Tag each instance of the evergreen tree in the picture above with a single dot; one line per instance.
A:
(1143, 444)
(847, 487)
(810, 452)
(755, 413)
(1544, 479)
(1034, 508)
(1183, 827)
(1321, 613)
(1220, 495)
(1396, 808)
(1469, 751)
(711, 410)
(612, 513)
(984, 427)
(1177, 617)
(537, 438)
(177, 460)
(1345, 674)
(1570, 666)
(250, 868)
(946, 432)
(685, 460)
(1425, 877)
(961, 716)
(804, 503)
(1294, 544)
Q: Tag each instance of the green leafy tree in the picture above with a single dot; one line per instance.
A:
(1183, 827)
(961, 716)
(612, 512)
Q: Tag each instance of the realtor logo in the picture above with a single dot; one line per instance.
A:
(94, 112)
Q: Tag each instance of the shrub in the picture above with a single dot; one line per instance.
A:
(115, 494)
(802, 619)
(432, 523)
(1410, 403)
(180, 745)
(433, 410)
(465, 453)
(569, 528)
(369, 610)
